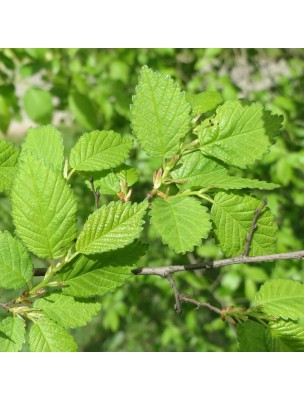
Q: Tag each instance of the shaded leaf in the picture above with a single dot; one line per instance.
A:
(38, 105)
(83, 110)
(251, 337)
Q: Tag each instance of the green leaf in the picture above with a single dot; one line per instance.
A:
(285, 337)
(16, 268)
(9, 154)
(111, 227)
(12, 333)
(202, 172)
(251, 337)
(67, 311)
(46, 142)
(181, 222)
(204, 102)
(239, 134)
(160, 114)
(38, 105)
(5, 117)
(232, 215)
(282, 298)
(99, 150)
(83, 110)
(47, 336)
(44, 209)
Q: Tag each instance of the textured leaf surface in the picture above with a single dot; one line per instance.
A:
(282, 298)
(43, 209)
(46, 142)
(202, 172)
(111, 227)
(204, 102)
(67, 311)
(251, 337)
(8, 160)
(38, 105)
(47, 336)
(233, 215)
(16, 268)
(99, 150)
(285, 336)
(239, 134)
(160, 113)
(181, 222)
(12, 333)
(83, 110)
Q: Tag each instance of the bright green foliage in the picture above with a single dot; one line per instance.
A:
(8, 160)
(232, 215)
(282, 298)
(239, 134)
(38, 105)
(285, 336)
(66, 310)
(43, 209)
(199, 171)
(5, 117)
(159, 114)
(12, 334)
(46, 143)
(16, 268)
(83, 110)
(99, 150)
(251, 337)
(47, 336)
(111, 227)
(181, 222)
(204, 102)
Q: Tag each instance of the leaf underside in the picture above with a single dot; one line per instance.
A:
(285, 336)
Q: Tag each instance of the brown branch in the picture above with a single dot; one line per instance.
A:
(186, 299)
(96, 193)
(177, 305)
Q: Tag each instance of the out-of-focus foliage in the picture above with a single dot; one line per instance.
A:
(79, 90)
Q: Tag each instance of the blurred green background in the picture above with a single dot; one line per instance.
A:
(79, 90)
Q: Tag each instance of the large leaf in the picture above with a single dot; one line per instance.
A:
(83, 110)
(111, 227)
(282, 298)
(251, 337)
(46, 142)
(99, 150)
(8, 160)
(233, 215)
(5, 117)
(239, 134)
(285, 336)
(160, 114)
(16, 268)
(38, 105)
(46, 336)
(181, 222)
(43, 208)
(202, 172)
(67, 311)
(12, 333)
(204, 102)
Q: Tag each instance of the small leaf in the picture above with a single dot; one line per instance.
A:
(9, 154)
(204, 102)
(251, 337)
(16, 268)
(160, 114)
(111, 227)
(83, 110)
(38, 105)
(12, 333)
(233, 215)
(282, 298)
(47, 336)
(5, 117)
(181, 222)
(282, 336)
(99, 150)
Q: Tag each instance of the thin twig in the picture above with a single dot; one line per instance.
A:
(96, 193)
(4, 306)
(186, 299)
(177, 305)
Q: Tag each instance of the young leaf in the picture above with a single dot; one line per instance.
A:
(232, 215)
(111, 227)
(38, 105)
(251, 337)
(160, 114)
(46, 336)
(16, 268)
(83, 110)
(285, 336)
(204, 102)
(202, 172)
(46, 142)
(99, 150)
(239, 134)
(181, 222)
(8, 160)
(282, 298)
(67, 311)
(43, 209)
(12, 333)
